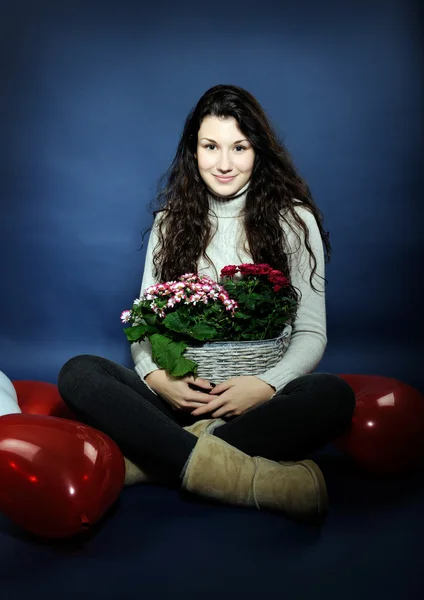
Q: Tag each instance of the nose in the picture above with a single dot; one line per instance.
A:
(224, 163)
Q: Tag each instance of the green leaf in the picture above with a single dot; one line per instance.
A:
(134, 334)
(175, 350)
(215, 308)
(246, 336)
(242, 298)
(166, 353)
(176, 322)
(150, 319)
(159, 355)
(230, 287)
(202, 331)
(240, 315)
(183, 367)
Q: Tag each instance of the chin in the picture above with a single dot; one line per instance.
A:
(224, 190)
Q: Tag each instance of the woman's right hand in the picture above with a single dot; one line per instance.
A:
(177, 392)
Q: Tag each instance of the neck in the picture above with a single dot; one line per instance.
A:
(228, 206)
(233, 197)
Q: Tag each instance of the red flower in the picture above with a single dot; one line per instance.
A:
(229, 271)
(278, 278)
(247, 269)
(256, 269)
(252, 269)
(263, 269)
(275, 277)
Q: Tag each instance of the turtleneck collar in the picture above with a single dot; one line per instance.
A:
(228, 206)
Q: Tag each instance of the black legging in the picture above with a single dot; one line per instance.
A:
(308, 413)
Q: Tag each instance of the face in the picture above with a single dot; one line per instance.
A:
(224, 156)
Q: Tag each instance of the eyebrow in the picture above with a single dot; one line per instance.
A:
(214, 142)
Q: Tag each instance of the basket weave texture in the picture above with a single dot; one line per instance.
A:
(219, 361)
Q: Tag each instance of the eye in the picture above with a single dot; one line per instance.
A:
(209, 145)
(241, 147)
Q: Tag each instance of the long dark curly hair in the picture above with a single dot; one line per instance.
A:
(274, 184)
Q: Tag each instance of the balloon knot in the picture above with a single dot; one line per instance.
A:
(85, 521)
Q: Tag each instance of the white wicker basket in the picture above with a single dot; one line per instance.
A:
(219, 361)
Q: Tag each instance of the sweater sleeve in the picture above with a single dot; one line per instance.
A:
(309, 335)
(141, 352)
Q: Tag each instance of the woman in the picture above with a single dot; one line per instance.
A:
(231, 195)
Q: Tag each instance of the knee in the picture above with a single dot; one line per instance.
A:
(332, 393)
(74, 370)
(339, 393)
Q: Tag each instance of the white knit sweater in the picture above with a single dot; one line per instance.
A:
(308, 339)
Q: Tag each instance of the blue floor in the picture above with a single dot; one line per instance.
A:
(155, 544)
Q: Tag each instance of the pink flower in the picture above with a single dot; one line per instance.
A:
(126, 316)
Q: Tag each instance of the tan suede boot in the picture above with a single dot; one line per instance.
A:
(219, 471)
(136, 474)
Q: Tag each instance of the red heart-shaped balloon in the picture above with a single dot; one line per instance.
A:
(41, 398)
(386, 436)
(58, 477)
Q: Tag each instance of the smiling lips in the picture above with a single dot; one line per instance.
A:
(224, 179)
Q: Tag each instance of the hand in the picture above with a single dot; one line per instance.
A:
(236, 395)
(177, 391)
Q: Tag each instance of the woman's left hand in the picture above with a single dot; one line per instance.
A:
(236, 395)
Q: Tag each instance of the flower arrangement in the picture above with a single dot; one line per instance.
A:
(251, 302)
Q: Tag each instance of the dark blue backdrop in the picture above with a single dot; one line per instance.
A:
(93, 99)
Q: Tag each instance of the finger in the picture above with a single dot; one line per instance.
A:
(221, 387)
(198, 397)
(203, 383)
(198, 382)
(211, 406)
(222, 412)
(193, 405)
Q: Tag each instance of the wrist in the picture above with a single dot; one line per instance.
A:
(271, 388)
(154, 377)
